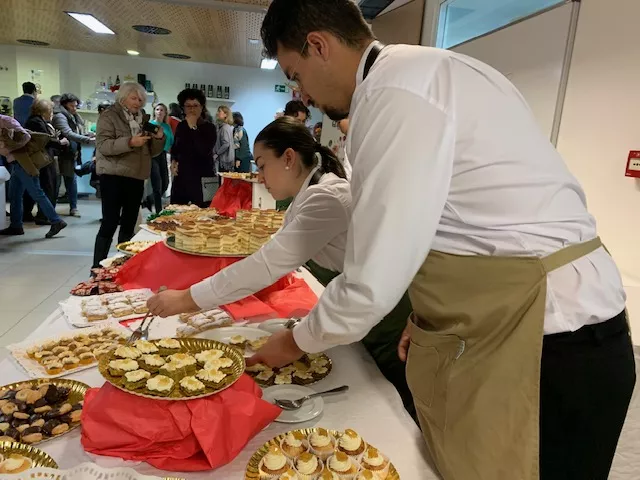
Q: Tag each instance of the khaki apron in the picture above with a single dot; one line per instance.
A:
(474, 360)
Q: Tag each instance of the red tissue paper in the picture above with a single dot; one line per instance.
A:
(232, 196)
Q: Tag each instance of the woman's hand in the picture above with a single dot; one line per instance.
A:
(172, 302)
(174, 168)
(138, 140)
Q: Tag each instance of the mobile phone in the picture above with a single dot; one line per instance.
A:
(151, 128)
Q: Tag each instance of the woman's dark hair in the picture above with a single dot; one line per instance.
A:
(193, 94)
(68, 98)
(103, 106)
(175, 110)
(166, 111)
(286, 132)
(237, 119)
(288, 22)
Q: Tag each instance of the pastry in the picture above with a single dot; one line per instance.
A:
(139, 307)
(282, 379)
(145, 347)
(321, 361)
(173, 370)
(75, 345)
(294, 444)
(59, 349)
(80, 350)
(318, 372)
(95, 314)
(15, 463)
(341, 464)
(65, 354)
(321, 443)
(211, 378)
(255, 369)
(11, 435)
(274, 462)
(184, 331)
(127, 352)
(208, 355)
(373, 460)
(185, 360)
(42, 354)
(87, 358)
(308, 466)
(31, 351)
(301, 377)
(328, 475)
(136, 379)
(117, 368)
(258, 343)
(222, 363)
(351, 443)
(289, 475)
(192, 386)
(121, 311)
(69, 363)
(239, 342)
(54, 368)
(265, 378)
(366, 475)
(160, 385)
(288, 369)
(168, 346)
(31, 435)
(151, 363)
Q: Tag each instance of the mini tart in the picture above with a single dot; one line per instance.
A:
(118, 368)
(341, 464)
(321, 443)
(145, 347)
(273, 463)
(168, 346)
(373, 460)
(212, 378)
(136, 379)
(173, 370)
(208, 355)
(351, 443)
(160, 385)
(87, 358)
(75, 345)
(192, 386)
(15, 463)
(265, 378)
(31, 351)
(70, 363)
(65, 354)
(127, 352)
(54, 368)
(301, 377)
(294, 444)
(151, 363)
(308, 466)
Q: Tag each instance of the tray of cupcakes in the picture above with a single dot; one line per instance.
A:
(311, 368)
(173, 368)
(17, 457)
(319, 454)
(38, 410)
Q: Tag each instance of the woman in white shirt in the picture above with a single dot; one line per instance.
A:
(292, 164)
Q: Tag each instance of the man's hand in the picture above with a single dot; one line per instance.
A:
(280, 350)
(138, 140)
(172, 302)
(405, 340)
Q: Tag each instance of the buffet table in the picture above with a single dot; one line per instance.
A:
(372, 407)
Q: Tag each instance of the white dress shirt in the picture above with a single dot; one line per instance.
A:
(447, 155)
(315, 227)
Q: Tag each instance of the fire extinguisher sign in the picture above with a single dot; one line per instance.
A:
(633, 164)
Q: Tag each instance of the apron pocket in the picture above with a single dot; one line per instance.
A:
(429, 364)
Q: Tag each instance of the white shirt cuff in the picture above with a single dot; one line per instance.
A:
(305, 341)
(202, 295)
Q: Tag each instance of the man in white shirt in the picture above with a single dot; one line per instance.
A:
(520, 359)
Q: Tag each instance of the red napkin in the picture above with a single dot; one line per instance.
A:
(232, 196)
(159, 265)
(183, 436)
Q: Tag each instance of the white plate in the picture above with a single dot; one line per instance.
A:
(309, 410)
(224, 335)
(274, 325)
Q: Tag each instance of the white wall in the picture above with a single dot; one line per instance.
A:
(600, 124)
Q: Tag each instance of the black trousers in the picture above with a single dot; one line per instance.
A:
(586, 384)
(159, 179)
(121, 198)
(48, 183)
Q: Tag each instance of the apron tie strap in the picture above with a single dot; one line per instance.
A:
(570, 254)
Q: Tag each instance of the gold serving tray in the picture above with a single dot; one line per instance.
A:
(37, 456)
(170, 242)
(76, 394)
(122, 247)
(252, 472)
(188, 345)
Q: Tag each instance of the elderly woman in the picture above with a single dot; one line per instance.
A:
(224, 151)
(123, 161)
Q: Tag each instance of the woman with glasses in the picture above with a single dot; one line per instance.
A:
(192, 151)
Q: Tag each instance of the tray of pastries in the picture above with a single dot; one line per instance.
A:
(319, 454)
(65, 354)
(38, 410)
(97, 309)
(135, 247)
(311, 368)
(18, 457)
(171, 218)
(192, 324)
(173, 368)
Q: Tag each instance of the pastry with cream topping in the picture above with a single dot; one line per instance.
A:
(366, 475)
(168, 346)
(328, 475)
(322, 443)
(351, 443)
(136, 379)
(208, 355)
(151, 363)
(146, 347)
(212, 377)
(273, 463)
(373, 460)
(342, 465)
(124, 351)
(192, 386)
(308, 466)
(118, 368)
(15, 463)
(294, 444)
(160, 385)
(289, 475)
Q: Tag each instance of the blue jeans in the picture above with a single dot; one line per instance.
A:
(21, 181)
(71, 185)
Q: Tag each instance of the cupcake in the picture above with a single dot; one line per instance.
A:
(160, 385)
(208, 355)
(274, 463)
(127, 352)
(145, 347)
(373, 460)
(366, 475)
(136, 379)
(192, 386)
(322, 443)
(351, 443)
(294, 444)
(211, 378)
(151, 363)
(308, 466)
(342, 465)
(328, 475)
(289, 475)
(70, 363)
(118, 368)
(168, 346)
(54, 368)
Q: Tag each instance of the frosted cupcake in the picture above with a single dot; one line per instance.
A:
(351, 443)
(373, 460)
(294, 444)
(366, 475)
(308, 466)
(328, 475)
(273, 464)
(322, 443)
(342, 465)
(289, 475)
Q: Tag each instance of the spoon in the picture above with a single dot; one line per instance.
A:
(296, 404)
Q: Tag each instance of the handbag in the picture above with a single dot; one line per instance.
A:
(209, 187)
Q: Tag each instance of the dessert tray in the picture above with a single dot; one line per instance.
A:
(32, 458)
(99, 309)
(254, 470)
(177, 371)
(310, 369)
(133, 248)
(170, 242)
(84, 349)
(85, 471)
(52, 408)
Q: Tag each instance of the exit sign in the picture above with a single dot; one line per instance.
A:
(281, 88)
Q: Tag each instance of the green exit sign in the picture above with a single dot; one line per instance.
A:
(281, 88)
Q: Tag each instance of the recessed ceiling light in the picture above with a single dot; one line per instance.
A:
(254, 41)
(268, 64)
(36, 43)
(178, 56)
(151, 29)
(91, 22)
(133, 52)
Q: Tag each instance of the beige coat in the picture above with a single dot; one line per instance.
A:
(114, 156)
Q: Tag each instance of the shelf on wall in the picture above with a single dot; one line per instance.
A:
(87, 111)
(221, 100)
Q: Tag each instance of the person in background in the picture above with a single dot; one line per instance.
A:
(123, 162)
(69, 123)
(241, 145)
(343, 126)
(192, 151)
(298, 110)
(22, 104)
(175, 116)
(317, 131)
(223, 151)
(159, 168)
(14, 138)
(56, 100)
(39, 121)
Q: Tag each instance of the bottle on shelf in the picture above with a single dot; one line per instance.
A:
(226, 93)
(110, 83)
(187, 85)
(117, 80)
(203, 87)
(210, 91)
(219, 92)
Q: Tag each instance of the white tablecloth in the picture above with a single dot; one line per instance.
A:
(372, 407)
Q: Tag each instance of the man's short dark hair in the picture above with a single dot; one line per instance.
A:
(288, 22)
(68, 98)
(29, 88)
(292, 108)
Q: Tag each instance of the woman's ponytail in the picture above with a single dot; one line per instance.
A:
(329, 163)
